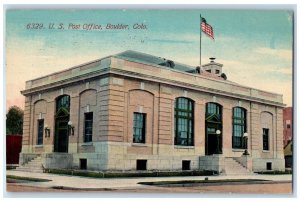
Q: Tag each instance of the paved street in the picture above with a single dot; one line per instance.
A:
(280, 184)
(280, 188)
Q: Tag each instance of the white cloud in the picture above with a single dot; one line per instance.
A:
(30, 62)
(259, 76)
(282, 53)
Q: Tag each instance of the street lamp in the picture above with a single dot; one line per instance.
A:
(71, 128)
(47, 131)
(246, 143)
(218, 132)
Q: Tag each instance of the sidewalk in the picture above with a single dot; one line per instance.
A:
(119, 183)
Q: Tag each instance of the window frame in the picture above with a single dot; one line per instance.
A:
(136, 127)
(88, 137)
(40, 132)
(186, 121)
(266, 137)
(239, 121)
(63, 102)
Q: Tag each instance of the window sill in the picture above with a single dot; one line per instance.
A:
(138, 145)
(87, 144)
(39, 146)
(266, 151)
(183, 147)
(238, 150)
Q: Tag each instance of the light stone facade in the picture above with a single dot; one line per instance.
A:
(113, 88)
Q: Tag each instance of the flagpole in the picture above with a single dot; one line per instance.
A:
(200, 37)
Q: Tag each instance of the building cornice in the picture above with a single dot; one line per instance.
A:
(117, 66)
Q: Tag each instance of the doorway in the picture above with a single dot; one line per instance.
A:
(213, 140)
(62, 117)
(61, 136)
(213, 129)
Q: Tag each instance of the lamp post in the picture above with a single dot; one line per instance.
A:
(218, 132)
(246, 144)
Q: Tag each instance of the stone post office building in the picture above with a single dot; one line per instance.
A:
(134, 111)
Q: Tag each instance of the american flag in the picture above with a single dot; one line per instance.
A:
(207, 29)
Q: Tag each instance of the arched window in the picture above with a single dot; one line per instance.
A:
(239, 127)
(63, 102)
(184, 122)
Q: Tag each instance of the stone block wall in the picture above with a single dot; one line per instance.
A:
(114, 98)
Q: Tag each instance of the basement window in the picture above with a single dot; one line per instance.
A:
(141, 164)
(186, 165)
(269, 166)
(83, 164)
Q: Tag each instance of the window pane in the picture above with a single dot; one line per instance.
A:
(265, 139)
(63, 102)
(238, 127)
(139, 121)
(184, 121)
(40, 131)
(88, 127)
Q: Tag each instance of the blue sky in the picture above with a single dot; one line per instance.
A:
(254, 46)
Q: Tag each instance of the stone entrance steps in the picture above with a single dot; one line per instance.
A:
(233, 167)
(35, 165)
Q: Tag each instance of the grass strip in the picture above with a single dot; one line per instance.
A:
(287, 172)
(31, 179)
(180, 182)
(94, 174)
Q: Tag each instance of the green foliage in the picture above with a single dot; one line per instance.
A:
(94, 174)
(14, 177)
(275, 172)
(14, 121)
(180, 182)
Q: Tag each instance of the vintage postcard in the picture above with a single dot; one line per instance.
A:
(149, 100)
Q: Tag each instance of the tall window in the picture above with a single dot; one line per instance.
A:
(265, 138)
(239, 127)
(88, 127)
(184, 122)
(40, 131)
(139, 127)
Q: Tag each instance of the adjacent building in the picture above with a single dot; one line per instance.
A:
(288, 136)
(287, 125)
(134, 111)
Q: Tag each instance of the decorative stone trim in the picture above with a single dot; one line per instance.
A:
(138, 145)
(183, 147)
(87, 144)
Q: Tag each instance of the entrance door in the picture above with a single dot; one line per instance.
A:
(61, 135)
(212, 139)
(213, 124)
(61, 139)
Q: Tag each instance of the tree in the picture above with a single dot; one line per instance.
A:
(14, 121)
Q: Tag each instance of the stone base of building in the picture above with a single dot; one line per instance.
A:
(57, 160)
(265, 164)
(108, 156)
(98, 161)
(214, 163)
